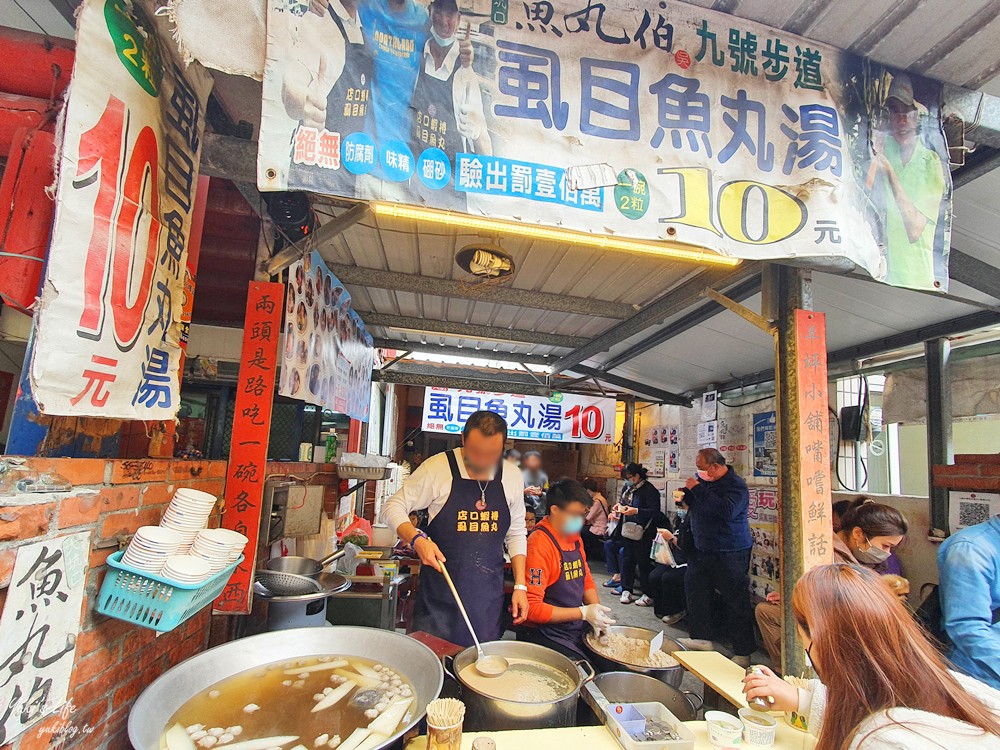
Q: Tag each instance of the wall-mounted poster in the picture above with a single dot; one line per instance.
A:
(734, 443)
(708, 434)
(765, 444)
(765, 562)
(328, 356)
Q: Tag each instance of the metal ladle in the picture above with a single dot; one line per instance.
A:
(488, 665)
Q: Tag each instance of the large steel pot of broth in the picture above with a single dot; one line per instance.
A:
(540, 689)
(604, 662)
(172, 690)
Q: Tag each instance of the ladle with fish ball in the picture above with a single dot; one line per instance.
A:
(486, 665)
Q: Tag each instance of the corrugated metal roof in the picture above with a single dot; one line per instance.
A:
(953, 41)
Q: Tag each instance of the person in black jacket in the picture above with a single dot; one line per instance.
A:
(666, 582)
(719, 504)
(640, 505)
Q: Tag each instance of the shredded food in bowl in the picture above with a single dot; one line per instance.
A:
(634, 651)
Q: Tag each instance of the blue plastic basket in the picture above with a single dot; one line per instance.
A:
(154, 602)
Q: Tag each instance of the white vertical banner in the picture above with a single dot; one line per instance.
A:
(108, 338)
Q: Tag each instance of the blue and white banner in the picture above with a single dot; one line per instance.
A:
(560, 418)
(686, 125)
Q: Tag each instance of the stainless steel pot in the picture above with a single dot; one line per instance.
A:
(303, 566)
(629, 687)
(670, 675)
(159, 701)
(484, 713)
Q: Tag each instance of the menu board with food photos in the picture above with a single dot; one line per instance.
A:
(328, 356)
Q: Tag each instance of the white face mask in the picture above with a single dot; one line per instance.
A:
(442, 41)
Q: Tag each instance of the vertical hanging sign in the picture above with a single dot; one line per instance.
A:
(109, 324)
(251, 429)
(814, 428)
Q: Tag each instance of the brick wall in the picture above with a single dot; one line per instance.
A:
(114, 660)
(971, 472)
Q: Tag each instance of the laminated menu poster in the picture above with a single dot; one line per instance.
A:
(765, 561)
(328, 356)
(765, 444)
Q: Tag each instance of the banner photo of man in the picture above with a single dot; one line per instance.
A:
(672, 123)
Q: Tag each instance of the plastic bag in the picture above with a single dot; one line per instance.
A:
(358, 528)
(318, 546)
(661, 552)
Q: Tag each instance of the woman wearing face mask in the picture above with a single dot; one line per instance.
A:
(868, 534)
(666, 582)
(640, 505)
(882, 685)
(562, 596)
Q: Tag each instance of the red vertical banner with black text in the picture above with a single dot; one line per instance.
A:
(814, 429)
(251, 429)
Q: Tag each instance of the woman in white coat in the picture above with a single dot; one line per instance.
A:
(882, 685)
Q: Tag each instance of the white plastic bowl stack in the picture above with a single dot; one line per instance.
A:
(188, 514)
(217, 546)
(150, 547)
(237, 542)
(187, 569)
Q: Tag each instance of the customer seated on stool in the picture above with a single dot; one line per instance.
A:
(562, 596)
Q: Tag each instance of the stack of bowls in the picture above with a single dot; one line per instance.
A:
(188, 514)
(187, 569)
(150, 548)
(219, 547)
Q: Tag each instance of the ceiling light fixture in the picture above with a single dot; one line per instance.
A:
(670, 250)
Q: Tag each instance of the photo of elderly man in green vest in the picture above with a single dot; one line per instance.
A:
(908, 179)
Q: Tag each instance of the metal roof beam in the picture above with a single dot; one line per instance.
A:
(660, 396)
(977, 163)
(974, 273)
(707, 311)
(483, 292)
(944, 329)
(464, 383)
(469, 330)
(676, 300)
(229, 157)
(463, 351)
(510, 377)
(979, 111)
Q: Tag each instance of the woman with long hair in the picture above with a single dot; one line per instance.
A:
(882, 685)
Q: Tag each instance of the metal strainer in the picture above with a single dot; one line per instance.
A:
(286, 584)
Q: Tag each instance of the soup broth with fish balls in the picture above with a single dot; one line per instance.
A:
(305, 698)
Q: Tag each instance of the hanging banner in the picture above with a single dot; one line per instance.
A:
(328, 355)
(815, 483)
(109, 324)
(251, 431)
(561, 418)
(669, 123)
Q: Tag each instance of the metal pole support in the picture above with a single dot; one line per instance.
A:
(940, 449)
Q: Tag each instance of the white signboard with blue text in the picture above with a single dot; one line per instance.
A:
(562, 417)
